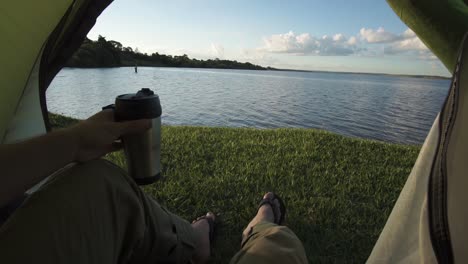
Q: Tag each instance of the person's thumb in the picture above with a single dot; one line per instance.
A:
(134, 126)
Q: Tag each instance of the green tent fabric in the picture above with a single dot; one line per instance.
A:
(440, 24)
(38, 38)
(24, 29)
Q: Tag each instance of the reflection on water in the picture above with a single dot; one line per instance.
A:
(394, 109)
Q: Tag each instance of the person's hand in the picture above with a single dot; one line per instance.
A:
(97, 135)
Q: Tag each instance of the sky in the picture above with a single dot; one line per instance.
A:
(325, 35)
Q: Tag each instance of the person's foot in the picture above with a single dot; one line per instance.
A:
(264, 213)
(202, 232)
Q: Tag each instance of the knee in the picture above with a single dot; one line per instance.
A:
(97, 171)
(92, 176)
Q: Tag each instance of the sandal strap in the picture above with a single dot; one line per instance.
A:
(272, 205)
(277, 219)
(211, 224)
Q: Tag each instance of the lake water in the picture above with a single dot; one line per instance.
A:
(387, 108)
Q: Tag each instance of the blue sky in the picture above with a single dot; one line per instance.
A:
(356, 36)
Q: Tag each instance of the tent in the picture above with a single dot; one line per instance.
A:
(38, 37)
(427, 223)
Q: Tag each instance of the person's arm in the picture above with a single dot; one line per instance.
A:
(26, 163)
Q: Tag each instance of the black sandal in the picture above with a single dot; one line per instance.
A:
(269, 201)
(212, 225)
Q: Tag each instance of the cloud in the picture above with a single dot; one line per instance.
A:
(411, 44)
(352, 41)
(368, 42)
(408, 43)
(305, 44)
(217, 50)
(377, 36)
(287, 43)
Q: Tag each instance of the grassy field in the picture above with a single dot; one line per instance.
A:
(339, 191)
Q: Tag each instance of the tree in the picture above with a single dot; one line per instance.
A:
(116, 45)
(101, 39)
(111, 53)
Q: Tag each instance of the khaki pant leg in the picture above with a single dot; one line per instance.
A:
(94, 213)
(270, 243)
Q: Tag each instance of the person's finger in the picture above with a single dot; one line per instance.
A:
(134, 126)
(104, 115)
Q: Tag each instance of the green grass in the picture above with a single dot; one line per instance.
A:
(339, 191)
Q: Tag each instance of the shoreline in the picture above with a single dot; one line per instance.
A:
(432, 77)
(60, 121)
(429, 77)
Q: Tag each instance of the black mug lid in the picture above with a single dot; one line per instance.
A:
(143, 94)
(141, 105)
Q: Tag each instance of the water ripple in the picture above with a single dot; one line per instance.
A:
(393, 109)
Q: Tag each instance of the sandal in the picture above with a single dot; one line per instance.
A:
(212, 225)
(278, 220)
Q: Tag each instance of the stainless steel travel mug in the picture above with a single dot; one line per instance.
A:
(143, 150)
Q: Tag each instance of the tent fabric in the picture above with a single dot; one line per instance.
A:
(24, 28)
(428, 221)
(440, 24)
(27, 121)
(456, 165)
(45, 32)
(405, 237)
(65, 40)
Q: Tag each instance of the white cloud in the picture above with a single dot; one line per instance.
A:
(397, 44)
(287, 43)
(305, 44)
(408, 43)
(368, 42)
(352, 41)
(409, 33)
(338, 37)
(377, 36)
(217, 50)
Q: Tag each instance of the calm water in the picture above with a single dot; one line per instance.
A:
(394, 109)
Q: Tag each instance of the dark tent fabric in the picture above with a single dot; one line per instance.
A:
(65, 40)
(440, 24)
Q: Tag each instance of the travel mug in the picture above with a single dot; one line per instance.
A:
(142, 150)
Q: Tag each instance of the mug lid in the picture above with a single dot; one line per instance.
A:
(143, 104)
(144, 93)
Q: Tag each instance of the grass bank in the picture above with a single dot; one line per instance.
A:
(339, 191)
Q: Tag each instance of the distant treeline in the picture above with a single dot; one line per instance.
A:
(110, 53)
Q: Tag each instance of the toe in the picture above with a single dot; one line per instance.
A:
(276, 208)
(211, 215)
(268, 195)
